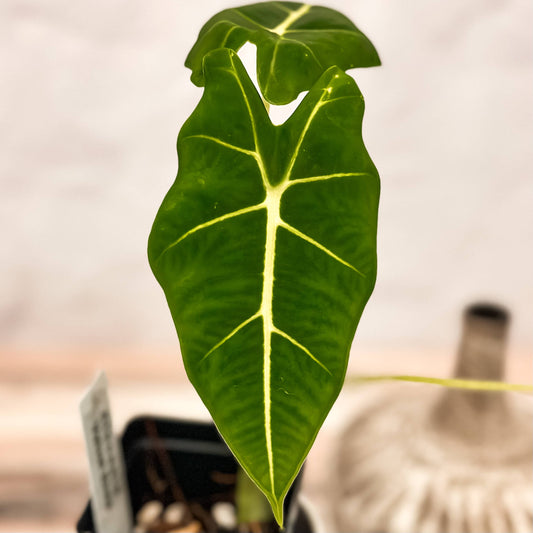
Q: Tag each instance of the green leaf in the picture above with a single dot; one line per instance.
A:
(295, 43)
(265, 248)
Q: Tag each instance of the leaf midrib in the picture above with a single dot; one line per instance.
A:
(273, 199)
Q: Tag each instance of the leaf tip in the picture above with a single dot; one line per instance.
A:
(277, 509)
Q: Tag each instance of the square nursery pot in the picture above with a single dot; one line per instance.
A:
(170, 460)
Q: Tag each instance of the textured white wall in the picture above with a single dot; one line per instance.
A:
(92, 95)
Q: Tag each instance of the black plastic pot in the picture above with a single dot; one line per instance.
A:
(188, 457)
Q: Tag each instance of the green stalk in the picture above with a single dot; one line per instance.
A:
(453, 383)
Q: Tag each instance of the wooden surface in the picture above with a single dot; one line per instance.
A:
(43, 470)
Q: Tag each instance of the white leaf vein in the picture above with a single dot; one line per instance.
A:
(324, 177)
(230, 334)
(331, 100)
(274, 329)
(230, 146)
(259, 158)
(301, 347)
(312, 241)
(281, 28)
(238, 11)
(303, 133)
(226, 37)
(212, 222)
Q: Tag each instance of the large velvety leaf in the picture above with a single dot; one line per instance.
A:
(295, 42)
(265, 248)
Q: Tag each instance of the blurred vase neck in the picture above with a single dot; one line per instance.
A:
(477, 415)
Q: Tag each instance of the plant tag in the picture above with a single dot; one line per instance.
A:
(110, 499)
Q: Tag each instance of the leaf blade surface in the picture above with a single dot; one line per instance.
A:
(265, 248)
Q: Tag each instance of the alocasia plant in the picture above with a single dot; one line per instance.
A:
(265, 244)
(295, 43)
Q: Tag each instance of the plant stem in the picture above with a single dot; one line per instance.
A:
(467, 384)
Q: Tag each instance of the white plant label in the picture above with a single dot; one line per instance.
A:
(110, 499)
